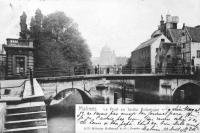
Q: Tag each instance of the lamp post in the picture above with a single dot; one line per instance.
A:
(114, 69)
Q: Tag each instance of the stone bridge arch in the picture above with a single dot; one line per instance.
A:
(187, 93)
(74, 93)
(66, 99)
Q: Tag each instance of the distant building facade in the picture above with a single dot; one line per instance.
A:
(19, 58)
(108, 61)
(107, 57)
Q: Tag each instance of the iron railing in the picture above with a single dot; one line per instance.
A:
(54, 72)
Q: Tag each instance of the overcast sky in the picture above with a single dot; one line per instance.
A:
(120, 24)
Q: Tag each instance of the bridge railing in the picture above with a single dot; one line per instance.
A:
(54, 72)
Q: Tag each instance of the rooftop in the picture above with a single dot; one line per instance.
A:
(147, 43)
(175, 34)
(19, 43)
(194, 33)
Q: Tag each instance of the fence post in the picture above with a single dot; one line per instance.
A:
(31, 81)
(0, 90)
(115, 97)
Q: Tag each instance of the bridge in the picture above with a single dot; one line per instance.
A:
(29, 95)
(142, 88)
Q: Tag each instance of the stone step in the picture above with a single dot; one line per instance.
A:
(26, 116)
(26, 109)
(38, 129)
(26, 123)
(26, 104)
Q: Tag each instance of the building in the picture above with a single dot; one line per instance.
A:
(167, 57)
(2, 64)
(19, 58)
(144, 56)
(183, 54)
(168, 51)
(108, 61)
(190, 48)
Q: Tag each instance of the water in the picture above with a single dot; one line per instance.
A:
(60, 121)
(61, 124)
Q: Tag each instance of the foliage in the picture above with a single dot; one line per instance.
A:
(57, 42)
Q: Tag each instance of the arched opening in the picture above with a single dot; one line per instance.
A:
(65, 101)
(77, 95)
(187, 94)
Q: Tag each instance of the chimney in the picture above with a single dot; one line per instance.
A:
(162, 25)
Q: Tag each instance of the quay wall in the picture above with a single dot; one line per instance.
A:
(2, 116)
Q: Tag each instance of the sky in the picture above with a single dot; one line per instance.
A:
(120, 24)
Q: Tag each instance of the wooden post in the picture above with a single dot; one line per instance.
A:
(56, 88)
(31, 81)
(0, 90)
(115, 98)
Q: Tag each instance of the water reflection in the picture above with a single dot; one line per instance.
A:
(62, 120)
(61, 124)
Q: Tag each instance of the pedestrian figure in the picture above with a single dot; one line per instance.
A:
(108, 70)
(95, 69)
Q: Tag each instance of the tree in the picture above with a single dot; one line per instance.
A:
(36, 33)
(57, 41)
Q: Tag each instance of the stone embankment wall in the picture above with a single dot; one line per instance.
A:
(2, 116)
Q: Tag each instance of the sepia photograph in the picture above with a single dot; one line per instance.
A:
(95, 66)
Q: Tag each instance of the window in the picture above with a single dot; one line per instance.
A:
(198, 53)
(20, 65)
(183, 45)
(168, 56)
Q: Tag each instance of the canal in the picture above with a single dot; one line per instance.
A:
(61, 123)
(63, 120)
